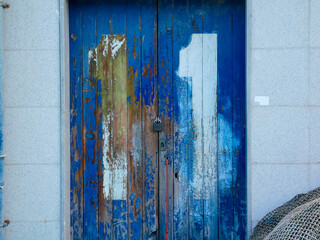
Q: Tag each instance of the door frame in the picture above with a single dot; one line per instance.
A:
(65, 167)
(64, 119)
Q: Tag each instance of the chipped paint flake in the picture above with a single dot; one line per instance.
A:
(92, 57)
(105, 41)
(115, 46)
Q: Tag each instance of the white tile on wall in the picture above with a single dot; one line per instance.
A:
(314, 125)
(31, 135)
(32, 25)
(279, 135)
(314, 95)
(314, 172)
(11, 84)
(275, 184)
(31, 78)
(32, 230)
(280, 74)
(315, 23)
(279, 23)
(32, 192)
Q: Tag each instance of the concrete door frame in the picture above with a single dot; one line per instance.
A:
(64, 119)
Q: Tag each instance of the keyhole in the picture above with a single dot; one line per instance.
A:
(162, 144)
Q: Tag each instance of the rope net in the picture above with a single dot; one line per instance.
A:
(297, 219)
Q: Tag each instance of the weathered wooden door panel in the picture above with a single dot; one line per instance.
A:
(180, 60)
(202, 99)
(114, 188)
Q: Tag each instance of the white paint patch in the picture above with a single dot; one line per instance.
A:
(198, 62)
(119, 175)
(136, 143)
(105, 42)
(115, 169)
(92, 56)
(262, 100)
(115, 46)
(107, 173)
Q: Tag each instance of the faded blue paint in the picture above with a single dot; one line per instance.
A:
(135, 221)
(76, 175)
(165, 100)
(149, 112)
(239, 120)
(133, 22)
(137, 216)
(120, 226)
(90, 104)
(149, 196)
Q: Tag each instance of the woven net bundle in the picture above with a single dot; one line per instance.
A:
(297, 219)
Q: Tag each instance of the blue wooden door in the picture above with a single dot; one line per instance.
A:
(134, 61)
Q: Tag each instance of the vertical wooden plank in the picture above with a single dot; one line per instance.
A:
(135, 170)
(104, 13)
(225, 102)
(149, 112)
(189, 95)
(76, 175)
(93, 133)
(119, 88)
(210, 78)
(209, 125)
(239, 120)
(182, 139)
(195, 68)
(90, 134)
(165, 36)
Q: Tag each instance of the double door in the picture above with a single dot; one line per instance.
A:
(179, 65)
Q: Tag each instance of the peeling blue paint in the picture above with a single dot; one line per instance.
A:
(191, 216)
